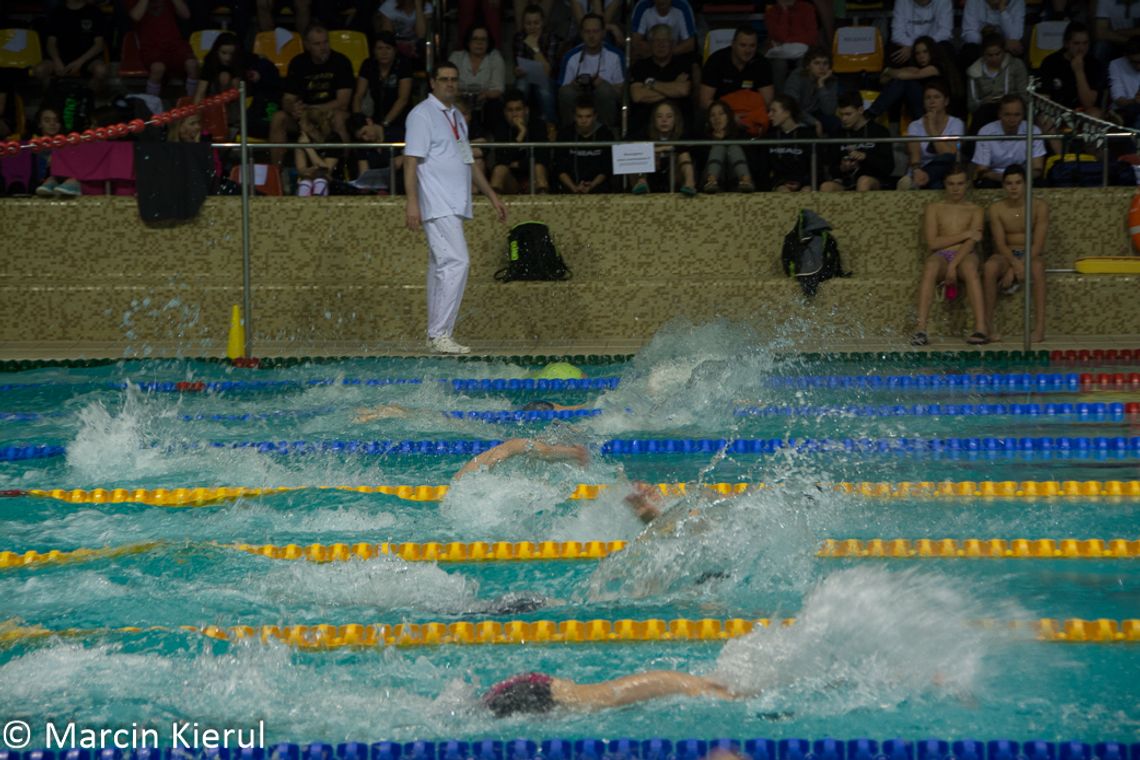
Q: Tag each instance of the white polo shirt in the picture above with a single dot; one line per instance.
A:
(676, 20)
(978, 14)
(607, 64)
(1124, 80)
(433, 132)
(1001, 154)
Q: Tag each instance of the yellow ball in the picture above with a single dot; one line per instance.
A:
(559, 371)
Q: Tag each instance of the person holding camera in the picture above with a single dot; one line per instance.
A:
(594, 69)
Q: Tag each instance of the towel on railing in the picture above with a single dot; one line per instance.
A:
(173, 179)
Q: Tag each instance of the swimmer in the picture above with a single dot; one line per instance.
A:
(540, 693)
(389, 411)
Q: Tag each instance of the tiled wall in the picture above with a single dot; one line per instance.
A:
(346, 270)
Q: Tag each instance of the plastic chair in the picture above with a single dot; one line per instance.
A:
(19, 49)
(270, 186)
(1047, 37)
(266, 44)
(353, 45)
(717, 39)
(857, 50)
(130, 60)
(214, 120)
(202, 41)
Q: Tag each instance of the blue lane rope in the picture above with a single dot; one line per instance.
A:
(1062, 446)
(221, 386)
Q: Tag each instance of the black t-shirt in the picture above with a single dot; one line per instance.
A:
(386, 92)
(720, 73)
(880, 156)
(647, 68)
(519, 157)
(787, 163)
(75, 31)
(585, 163)
(316, 84)
(1059, 83)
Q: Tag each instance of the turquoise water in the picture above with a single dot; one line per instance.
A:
(881, 647)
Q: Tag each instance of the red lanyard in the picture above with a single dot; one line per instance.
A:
(453, 123)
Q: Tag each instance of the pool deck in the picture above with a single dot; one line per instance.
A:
(13, 350)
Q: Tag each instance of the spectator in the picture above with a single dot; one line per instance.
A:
(407, 20)
(223, 67)
(1124, 90)
(736, 68)
(510, 167)
(662, 76)
(364, 130)
(584, 170)
(319, 77)
(952, 229)
(475, 136)
(993, 157)
(666, 123)
(161, 46)
(815, 89)
(534, 43)
(792, 28)
(1005, 268)
(386, 77)
(990, 78)
(1070, 76)
(482, 13)
(482, 76)
(75, 45)
(787, 168)
(1117, 23)
(49, 124)
(189, 130)
(674, 14)
(1007, 17)
(302, 14)
(8, 125)
(725, 160)
(856, 165)
(595, 69)
(314, 165)
(912, 19)
(929, 161)
(609, 10)
(905, 84)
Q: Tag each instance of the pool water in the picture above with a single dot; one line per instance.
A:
(880, 647)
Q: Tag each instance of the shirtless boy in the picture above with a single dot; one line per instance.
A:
(952, 228)
(1005, 268)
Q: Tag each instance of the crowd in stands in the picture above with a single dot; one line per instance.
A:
(547, 72)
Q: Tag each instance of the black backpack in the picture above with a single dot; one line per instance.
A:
(531, 255)
(811, 254)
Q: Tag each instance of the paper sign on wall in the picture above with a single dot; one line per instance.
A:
(633, 158)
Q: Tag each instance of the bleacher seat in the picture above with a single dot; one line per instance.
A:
(857, 50)
(280, 46)
(715, 40)
(353, 45)
(20, 49)
(202, 41)
(130, 61)
(214, 120)
(271, 182)
(1047, 37)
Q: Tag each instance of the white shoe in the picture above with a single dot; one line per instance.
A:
(443, 344)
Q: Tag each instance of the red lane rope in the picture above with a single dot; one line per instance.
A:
(114, 131)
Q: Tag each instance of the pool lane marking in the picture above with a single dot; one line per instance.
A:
(202, 497)
(523, 632)
(550, 551)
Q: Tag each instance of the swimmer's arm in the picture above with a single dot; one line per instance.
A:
(997, 228)
(936, 242)
(518, 446)
(383, 411)
(638, 687)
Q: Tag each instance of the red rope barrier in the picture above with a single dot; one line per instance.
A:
(114, 131)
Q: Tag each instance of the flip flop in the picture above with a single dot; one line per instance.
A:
(920, 338)
(977, 339)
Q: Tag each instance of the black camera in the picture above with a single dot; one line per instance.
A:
(584, 82)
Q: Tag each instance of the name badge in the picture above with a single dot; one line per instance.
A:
(465, 152)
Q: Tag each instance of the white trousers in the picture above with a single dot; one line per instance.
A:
(447, 273)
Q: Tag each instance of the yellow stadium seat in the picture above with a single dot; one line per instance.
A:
(857, 50)
(869, 97)
(202, 41)
(717, 39)
(20, 49)
(1046, 38)
(280, 46)
(353, 45)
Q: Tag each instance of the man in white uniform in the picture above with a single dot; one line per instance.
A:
(438, 186)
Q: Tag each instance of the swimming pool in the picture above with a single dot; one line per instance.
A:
(880, 647)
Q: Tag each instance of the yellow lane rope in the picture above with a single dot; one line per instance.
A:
(521, 632)
(995, 548)
(1006, 489)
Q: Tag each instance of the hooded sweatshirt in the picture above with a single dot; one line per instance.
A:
(1011, 78)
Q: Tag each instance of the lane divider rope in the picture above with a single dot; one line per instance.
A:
(1003, 489)
(523, 632)
(979, 548)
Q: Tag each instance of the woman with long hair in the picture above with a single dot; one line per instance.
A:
(905, 84)
(724, 161)
(667, 124)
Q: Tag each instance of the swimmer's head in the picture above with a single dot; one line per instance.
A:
(526, 693)
(538, 406)
(559, 371)
(645, 500)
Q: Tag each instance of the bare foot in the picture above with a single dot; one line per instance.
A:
(1038, 336)
(995, 337)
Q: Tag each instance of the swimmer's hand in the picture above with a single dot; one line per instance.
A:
(385, 411)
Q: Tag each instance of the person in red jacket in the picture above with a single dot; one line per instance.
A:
(793, 27)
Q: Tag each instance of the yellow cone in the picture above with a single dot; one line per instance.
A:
(235, 349)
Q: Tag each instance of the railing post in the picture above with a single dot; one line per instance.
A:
(247, 178)
(814, 169)
(530, 151)
(1025, 331)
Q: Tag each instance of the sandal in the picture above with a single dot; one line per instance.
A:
(977, 339)
(712, 187)
(687, 191)
(920, 338)
(641, 188)
(746, 186)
